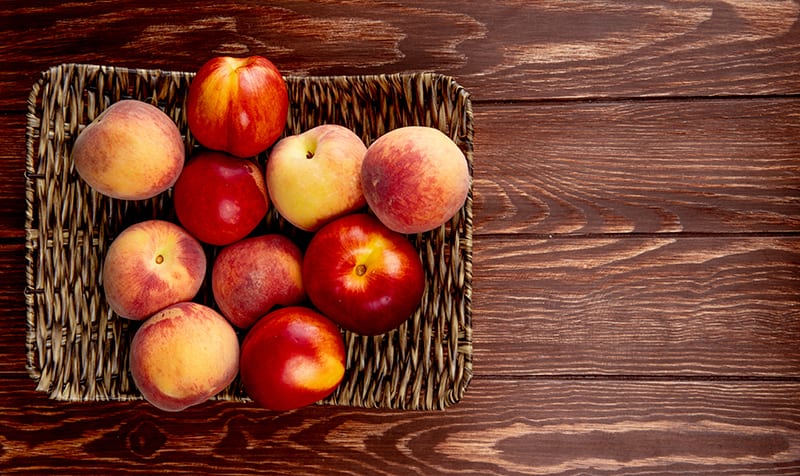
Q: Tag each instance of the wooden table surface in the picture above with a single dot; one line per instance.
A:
(636, 250)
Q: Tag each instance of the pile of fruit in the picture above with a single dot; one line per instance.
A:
(358, 271)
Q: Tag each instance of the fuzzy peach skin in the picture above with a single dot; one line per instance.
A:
(183, 355)
(131, 151)
(253, 275)
(414, 179)
(315, 177)
(292, 357)
(151, 265)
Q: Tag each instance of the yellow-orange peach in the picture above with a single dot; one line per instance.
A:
(183, 355)
(414, 179)
(131, 151)
(151, 265)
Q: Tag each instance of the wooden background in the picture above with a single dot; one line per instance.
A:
(637, 237)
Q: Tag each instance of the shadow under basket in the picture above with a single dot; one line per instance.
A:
(77, 348)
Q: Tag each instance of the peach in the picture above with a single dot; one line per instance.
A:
(315, 177)
(183, 355)
(131, 151)
(292, 357)
(151, 265)
(253, 275)
(414, 179)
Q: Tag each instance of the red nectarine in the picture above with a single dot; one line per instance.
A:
(237, 105)
(365, 277)
(219, 198)
(292, 357)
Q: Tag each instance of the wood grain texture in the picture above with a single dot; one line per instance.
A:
(498, 50)
(636, 256)
(12, 176)
(501, 427)
(12, 310)
(637, 306)
(711, 166)
(668, 306)
(598, 167)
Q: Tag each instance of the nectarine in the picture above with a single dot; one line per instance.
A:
(237, 105)
(220, 198)
(363, 276)
(292, 357)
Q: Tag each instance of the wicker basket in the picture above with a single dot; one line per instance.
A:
(77, 349)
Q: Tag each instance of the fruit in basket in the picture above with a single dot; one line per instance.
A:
(414, 179)
(362, 275)
(315, 176)
(151, 265)
(237, 105)
(183, 355)
(253, 275)
(131, 151)
(292, 357)
(220, 198)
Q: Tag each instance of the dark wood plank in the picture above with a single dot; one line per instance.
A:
(637, 306)
(599, 306)
(13, 326)
(637, 259)
(501, 427)
(498, 50)
(12, 178)
(713, 166)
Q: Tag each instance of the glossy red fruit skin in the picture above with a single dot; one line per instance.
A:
(237, 105)
(219, 198)
(365, 277)
(292, 357)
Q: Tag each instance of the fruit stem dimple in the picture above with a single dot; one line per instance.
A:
(159, 259)
(361, 270)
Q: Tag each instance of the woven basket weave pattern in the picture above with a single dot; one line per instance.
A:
(77, 349)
